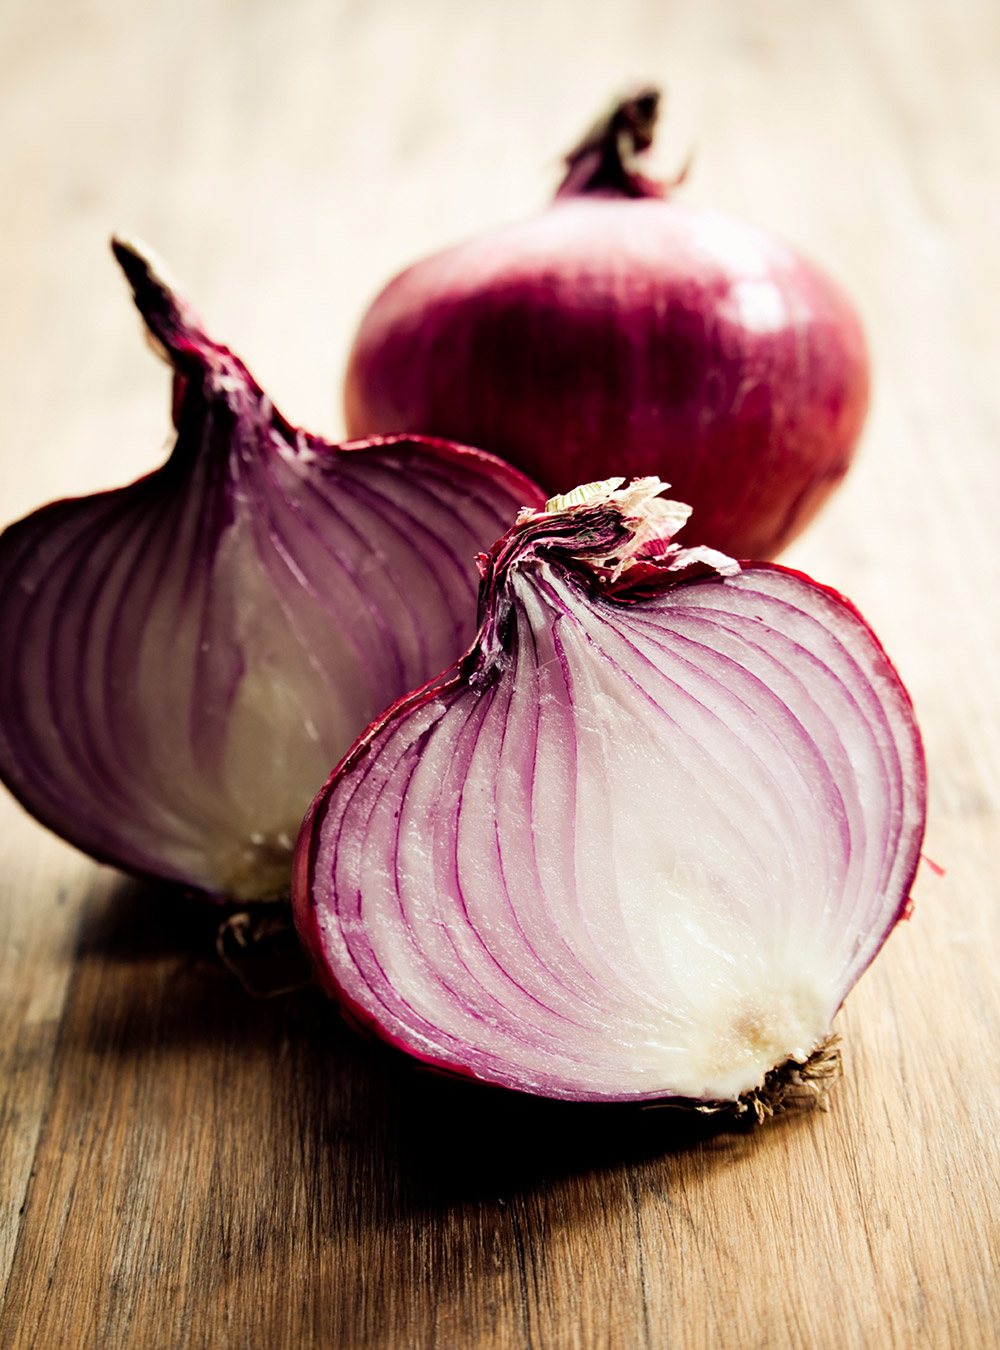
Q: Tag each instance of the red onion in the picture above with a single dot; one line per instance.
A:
(645, 838)
(622, 332)
(182, 660)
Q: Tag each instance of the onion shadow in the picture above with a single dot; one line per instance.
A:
(150, 985)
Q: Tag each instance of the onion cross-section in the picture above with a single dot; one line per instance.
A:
(643, 841)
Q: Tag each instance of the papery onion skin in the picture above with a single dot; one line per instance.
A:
(623, 332)
(182, 659)
(726, 866)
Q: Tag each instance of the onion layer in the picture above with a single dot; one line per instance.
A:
(619, 332)
(646, 837)
(182, 660)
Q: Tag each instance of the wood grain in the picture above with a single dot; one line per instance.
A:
(183, 1165)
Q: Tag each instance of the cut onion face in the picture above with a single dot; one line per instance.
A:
(644, 840)
(182, 660)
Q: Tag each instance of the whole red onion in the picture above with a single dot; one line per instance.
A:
(622, 332)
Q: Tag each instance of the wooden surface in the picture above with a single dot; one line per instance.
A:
(183, 1165)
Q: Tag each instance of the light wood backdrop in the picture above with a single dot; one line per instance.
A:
(184, 1166)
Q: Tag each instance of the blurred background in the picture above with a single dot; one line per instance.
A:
(285, 159)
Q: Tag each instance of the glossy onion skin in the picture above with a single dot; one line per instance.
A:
(613, 335)
(470, 882)
(182, 659)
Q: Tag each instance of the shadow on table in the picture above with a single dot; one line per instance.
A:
(468, 1142)
(150, 984)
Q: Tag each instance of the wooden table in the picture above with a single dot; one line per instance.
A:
(183, 1165)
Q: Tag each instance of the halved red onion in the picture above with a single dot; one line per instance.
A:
(643, 841)
(182, 660)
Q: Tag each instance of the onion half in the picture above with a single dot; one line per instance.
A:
(643, 841)
(182, 659)
(621, 331)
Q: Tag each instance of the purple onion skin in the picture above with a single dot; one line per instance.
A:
(621, 332)
(314, 901)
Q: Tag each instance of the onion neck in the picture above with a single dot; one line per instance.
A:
(603, 164)
(214, 397)
(615, 537)
(173, 329)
